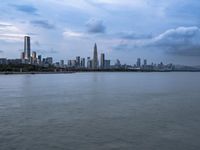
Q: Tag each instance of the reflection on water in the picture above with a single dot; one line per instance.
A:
(100, 111)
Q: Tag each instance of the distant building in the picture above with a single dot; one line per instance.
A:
(78, 61)
(62, 63)
(34, 57)
(138, 63)
(107, 64)
(117, 63)
(145, 62)
(95, 58)
(27, 47)
(89, 63)
(3, 61)
(49, 61)
(14, 61)
(71, 63)
(82, 62)
(39, 59)
(22, 55)
(102, 65)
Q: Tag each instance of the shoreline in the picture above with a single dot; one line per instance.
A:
(70, 72)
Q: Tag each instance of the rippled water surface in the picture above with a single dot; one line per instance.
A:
(100, 111)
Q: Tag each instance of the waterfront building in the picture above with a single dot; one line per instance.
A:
(138, 63)
(107, 64)
(62, 63)
(34, 57)
(27, 48)
(89, 63)
(22, 55)
(78, 61)
(3, 61)
(102, 61)
(117, 63)
(145, 62)
(82, 62)
(39, 59)
(49, 61)
(95, 58)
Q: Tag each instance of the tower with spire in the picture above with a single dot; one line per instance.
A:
(95, 58)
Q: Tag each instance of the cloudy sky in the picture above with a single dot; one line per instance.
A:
(157, 30)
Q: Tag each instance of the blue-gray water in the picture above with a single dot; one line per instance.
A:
(100, 111)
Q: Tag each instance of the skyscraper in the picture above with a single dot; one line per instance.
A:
(27, 47)
(102, 61)
(95, 58)
(78, 61)
(138, 62)
(145, 62)
(82, 62)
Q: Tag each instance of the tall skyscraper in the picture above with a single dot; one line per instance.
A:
(78, 61)
(83, 62)
(102, 61)
(95, 58)
(145, 62)
(138, 62)
(27, 47)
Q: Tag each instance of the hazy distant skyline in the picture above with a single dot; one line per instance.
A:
(167, 31)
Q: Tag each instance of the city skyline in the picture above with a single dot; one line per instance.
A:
(172, 36)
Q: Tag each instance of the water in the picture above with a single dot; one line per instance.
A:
(100, 111)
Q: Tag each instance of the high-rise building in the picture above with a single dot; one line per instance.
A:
(78, 61)
(82, 62)
(107, 64)
(22, 55)
(145, 62)
(27, 47)
(138, 62)
(62, 63)
(95, 58)
(39, 59)
(34, 55)
(49, 60)
(89, 63)
(102, 61)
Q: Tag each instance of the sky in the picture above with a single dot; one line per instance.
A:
(156, 30)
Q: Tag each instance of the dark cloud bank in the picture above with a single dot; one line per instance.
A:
(183, 41)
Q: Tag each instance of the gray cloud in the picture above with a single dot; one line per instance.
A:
(133, 36)
(5, 25)
(1, 51)
(95, 26)
(43, 24)
(51, 51)
(180, 41)
(29, 9)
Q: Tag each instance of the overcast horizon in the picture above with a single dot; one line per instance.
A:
(166, 31)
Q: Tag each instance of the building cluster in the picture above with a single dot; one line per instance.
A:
(94, 63)
(79, 63)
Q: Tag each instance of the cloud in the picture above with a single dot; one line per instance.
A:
(51, 51)
(4, 25)
(10, 33)
(133, 36)
(1, 51)
(42, 23)
(73, 34)
(28, 9)
(182, 41)
(95, 26)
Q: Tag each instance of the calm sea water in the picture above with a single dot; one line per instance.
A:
(100, 111)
